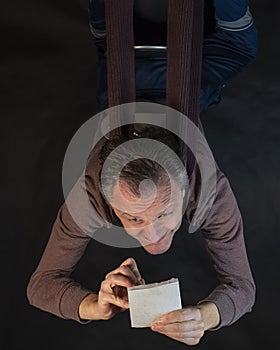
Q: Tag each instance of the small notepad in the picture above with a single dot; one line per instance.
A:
(149, 301)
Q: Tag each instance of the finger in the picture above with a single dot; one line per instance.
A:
(115, 280)
(108, 298)
(183, 336)
(126, 271)
(131, 263)
(192, 338)
(186, 314)
(185, 340)
(192, 341)
(121, 292)
(190, 328)
(188, 341)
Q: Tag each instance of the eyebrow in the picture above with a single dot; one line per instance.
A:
(132, 216)
(135, 216)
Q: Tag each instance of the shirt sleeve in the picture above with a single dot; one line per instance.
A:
(51, 287)
(222, 231)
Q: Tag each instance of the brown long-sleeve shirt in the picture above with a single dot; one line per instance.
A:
(52, 289)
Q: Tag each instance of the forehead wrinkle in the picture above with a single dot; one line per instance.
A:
(156, 204)
(125, 189)
(161, 201)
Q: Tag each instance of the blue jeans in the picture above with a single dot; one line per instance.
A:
(225, 53)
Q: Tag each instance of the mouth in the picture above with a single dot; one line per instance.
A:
(162, 238)
(167, 234)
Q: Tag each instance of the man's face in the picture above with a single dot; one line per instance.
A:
(153, 218)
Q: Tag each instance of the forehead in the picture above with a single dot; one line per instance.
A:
(157, 199)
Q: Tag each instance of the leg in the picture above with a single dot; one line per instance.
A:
(228, 51)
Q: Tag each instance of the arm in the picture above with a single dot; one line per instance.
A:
(51, 287)
(223, 234)
(227, 52)
(235, 295)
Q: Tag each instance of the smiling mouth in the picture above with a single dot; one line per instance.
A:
(162, 238)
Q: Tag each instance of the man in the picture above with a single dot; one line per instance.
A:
(153, 219)
(152, 214)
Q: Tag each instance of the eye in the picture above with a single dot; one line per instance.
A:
(136, 220)
(164, 215)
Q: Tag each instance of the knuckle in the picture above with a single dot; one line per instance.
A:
(100, 295)
(179, 328)
(198, 313)
(129, 260)
(107, 317)
(103, 284)
(108, 275)
(185, 313)
(178, 315)
(201, 333)
(108, 279)
(124, 270)
(181, 316)
(201, 325)
(194, 341)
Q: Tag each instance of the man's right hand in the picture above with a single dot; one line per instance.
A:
(112, 296)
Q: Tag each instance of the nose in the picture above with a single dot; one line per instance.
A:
(153, 232)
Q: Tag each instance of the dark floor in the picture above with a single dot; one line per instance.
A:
(48, 76)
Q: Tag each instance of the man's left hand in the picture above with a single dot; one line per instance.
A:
(187, 325)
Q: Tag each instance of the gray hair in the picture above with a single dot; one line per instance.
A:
(133, 162)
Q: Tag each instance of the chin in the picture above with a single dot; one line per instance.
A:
(157, 249)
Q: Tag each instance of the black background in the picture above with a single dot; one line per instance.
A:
(48, 89)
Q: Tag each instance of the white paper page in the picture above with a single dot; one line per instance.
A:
(150, 301)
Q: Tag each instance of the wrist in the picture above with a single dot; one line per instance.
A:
(210, 314)
(88, 308)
